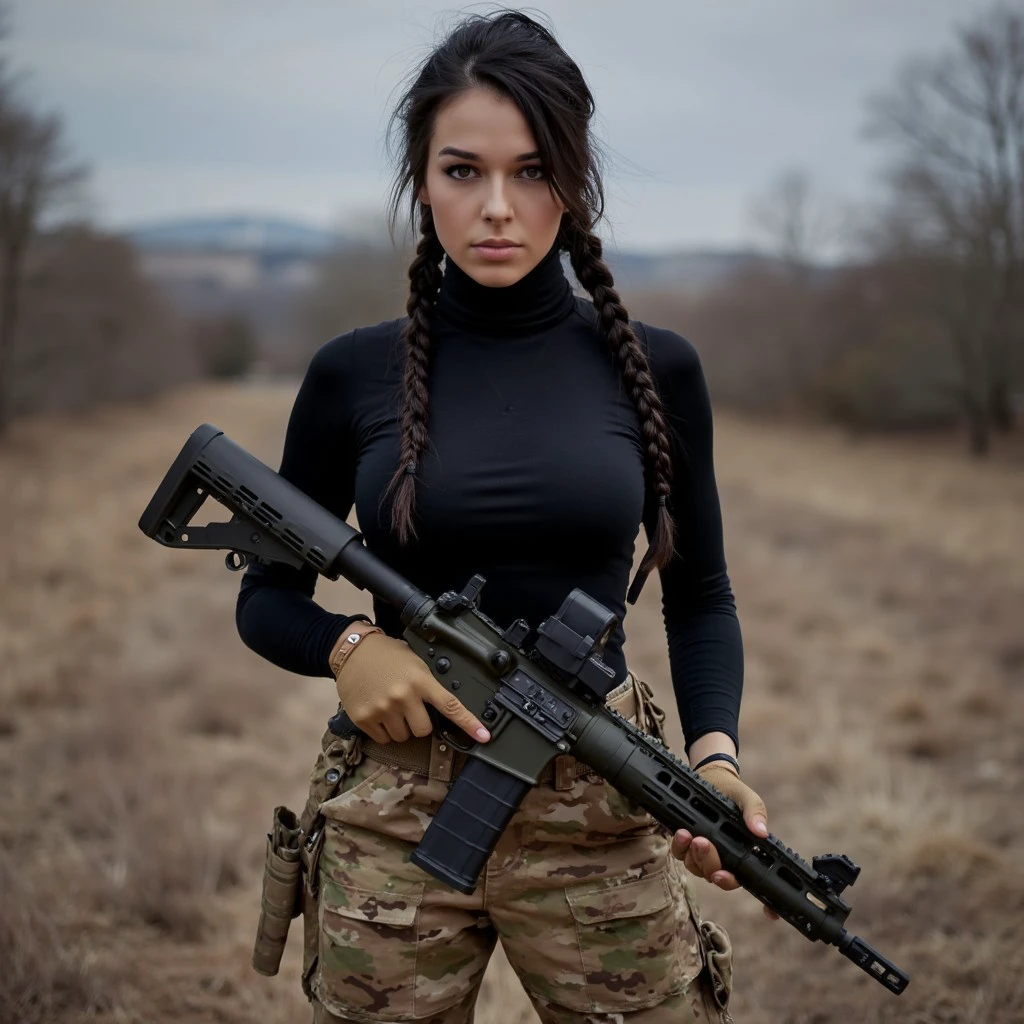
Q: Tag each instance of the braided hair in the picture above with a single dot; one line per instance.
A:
(519, 58)
(585, 254)
(424, 282)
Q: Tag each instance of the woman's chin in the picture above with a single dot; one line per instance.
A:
(498, 274)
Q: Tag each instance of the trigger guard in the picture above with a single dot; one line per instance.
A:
(449, 732)
(453, 735)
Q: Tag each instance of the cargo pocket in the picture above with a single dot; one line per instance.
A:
(367, 964)
(339, 759)
(638, 944)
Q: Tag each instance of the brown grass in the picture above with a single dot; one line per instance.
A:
(142, 747)
(45, 974)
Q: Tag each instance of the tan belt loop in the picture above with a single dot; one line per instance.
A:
(442, 755)
(565, 771)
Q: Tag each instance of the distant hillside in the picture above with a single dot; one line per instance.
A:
(252, 266)
(262, 268)
(269, 239)
(690, 269)
(235, 234)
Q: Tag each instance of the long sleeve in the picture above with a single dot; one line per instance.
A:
(275, 614)
(705, 645)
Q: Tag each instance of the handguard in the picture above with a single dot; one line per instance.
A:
(538, 701)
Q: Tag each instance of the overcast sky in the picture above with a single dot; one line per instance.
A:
(223, 106)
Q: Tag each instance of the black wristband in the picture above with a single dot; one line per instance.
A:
(718, 757)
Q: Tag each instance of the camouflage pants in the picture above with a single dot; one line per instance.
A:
(593, 912)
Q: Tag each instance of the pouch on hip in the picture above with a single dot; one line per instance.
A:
(282, 891)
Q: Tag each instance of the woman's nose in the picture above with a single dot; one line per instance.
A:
(497, 205)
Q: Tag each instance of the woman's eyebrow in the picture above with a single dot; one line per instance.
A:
(466, 155)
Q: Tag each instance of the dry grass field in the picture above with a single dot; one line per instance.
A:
(142, 746)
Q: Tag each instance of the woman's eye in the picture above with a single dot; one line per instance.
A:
(463, 172)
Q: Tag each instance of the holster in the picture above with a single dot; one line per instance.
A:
(282, 891)
(291, 870)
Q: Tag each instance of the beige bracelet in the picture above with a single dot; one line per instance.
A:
(348, 642)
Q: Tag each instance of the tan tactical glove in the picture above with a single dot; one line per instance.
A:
(699, 854)
(385, 687)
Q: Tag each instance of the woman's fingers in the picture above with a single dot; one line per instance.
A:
(375, 731)
(729, 784)
(754, 814)
(705, 857)
(418, 720)
(724, 880)
(396, 727)
(455, 711)
(406, 715)
(688, 849)
(402, 712)
(681, 843)
(701, 859)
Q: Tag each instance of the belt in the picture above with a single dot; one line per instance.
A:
(432, 756)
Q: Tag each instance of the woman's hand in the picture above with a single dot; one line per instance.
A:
(385, 689)
(699, 854)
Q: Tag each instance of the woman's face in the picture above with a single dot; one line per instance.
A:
(484, 182)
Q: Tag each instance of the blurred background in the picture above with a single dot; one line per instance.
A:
(827, 199)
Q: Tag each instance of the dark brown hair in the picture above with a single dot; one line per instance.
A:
(509, 52)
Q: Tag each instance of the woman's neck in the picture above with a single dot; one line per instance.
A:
(539, 300)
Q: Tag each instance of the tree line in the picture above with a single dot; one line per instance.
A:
(926, 323)
(921, 322)
(80, 325)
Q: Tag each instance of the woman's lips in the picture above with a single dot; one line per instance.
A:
(497, 252)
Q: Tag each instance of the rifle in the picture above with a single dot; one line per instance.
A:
(537, 701)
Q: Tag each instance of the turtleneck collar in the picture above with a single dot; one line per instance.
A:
(536, 302)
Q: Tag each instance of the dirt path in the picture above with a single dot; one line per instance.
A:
(142, 747)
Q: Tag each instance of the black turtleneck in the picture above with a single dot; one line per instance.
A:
(541, 299)
(534, 479)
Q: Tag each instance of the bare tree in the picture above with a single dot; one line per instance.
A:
(798, 223)
(93, 329)
(358, 283)
(35, 173)
(956, 123)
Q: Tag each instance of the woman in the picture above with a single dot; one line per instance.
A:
(507, 428)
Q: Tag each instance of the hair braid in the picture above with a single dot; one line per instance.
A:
(424, 282)
(586, 252)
